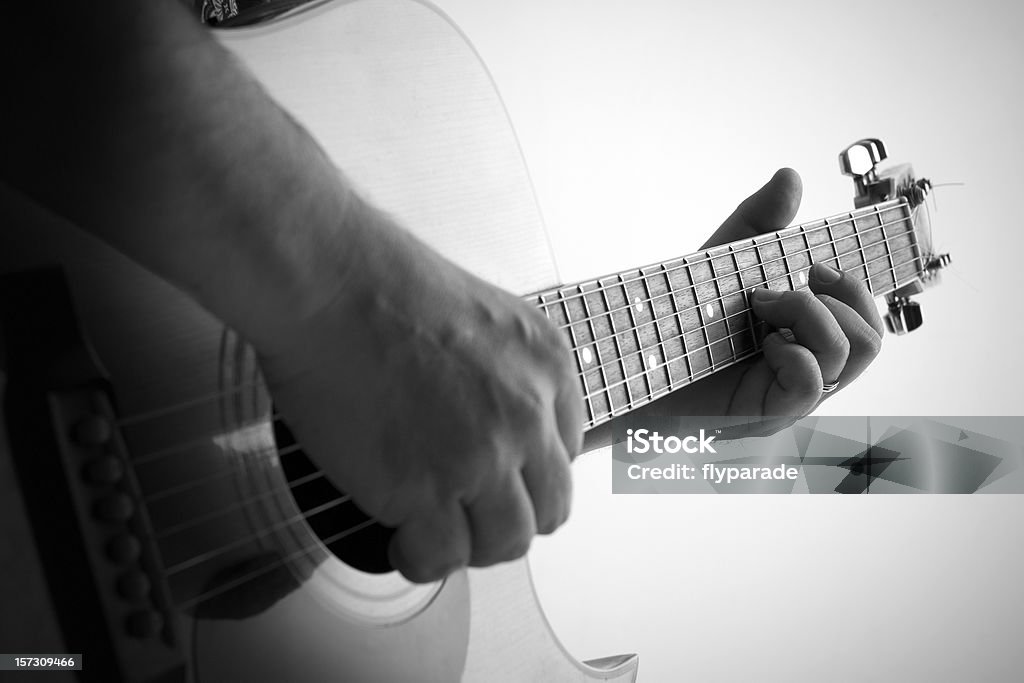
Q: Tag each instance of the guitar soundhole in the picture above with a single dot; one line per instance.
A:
(365, 549)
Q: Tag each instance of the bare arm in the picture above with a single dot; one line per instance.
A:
(445, 406)
(134, 123)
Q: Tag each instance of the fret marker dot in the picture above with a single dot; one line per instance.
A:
(710, 311)
(587, 356)
(639, 306)
(803, 277)
(652, 362)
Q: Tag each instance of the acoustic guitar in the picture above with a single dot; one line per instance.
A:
(157, 517)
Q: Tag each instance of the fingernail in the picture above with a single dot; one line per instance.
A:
(765, 294)
(825, 274)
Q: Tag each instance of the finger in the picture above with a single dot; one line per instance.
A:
(849, 290)
(796, 382)
(811, 323)
(549, 484)
(502, 522)
(769, 209)
(429, 547)
(865, 343)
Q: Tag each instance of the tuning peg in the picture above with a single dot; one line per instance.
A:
(861, 158)
(877, 149)
(904, 315)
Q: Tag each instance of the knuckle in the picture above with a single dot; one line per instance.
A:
(859, 287)
(804, 376)
(553, 519)
(869, 344)
(841, 344)
(548, 525)
(511, 548)
(802, 299)
(434, 570)
(560, 518)
(806, 383)
(516, 549)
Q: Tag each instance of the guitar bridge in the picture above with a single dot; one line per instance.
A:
(90, 529)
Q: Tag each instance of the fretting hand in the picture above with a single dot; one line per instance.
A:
(835, 328)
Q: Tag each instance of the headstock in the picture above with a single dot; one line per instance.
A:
(872, 185)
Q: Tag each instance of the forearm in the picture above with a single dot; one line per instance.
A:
(133, 123)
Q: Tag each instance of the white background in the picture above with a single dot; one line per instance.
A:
(643, 124)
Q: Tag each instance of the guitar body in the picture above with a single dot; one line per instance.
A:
(397, 97)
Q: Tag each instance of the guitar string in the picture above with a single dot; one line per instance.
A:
(213, 553)
(725, 338)
(212, 396)
(334, 502)
(701, 304)
(890, 272)
(769, 239)
(192, 483)
(588, 397)
(239, 504)
(255, 574)
(717, 280)
(668, 389)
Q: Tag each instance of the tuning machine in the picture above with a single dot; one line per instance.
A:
(860, 161)
(904, 315)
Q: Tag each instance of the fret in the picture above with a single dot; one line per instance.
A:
(690, 322)
(832, 242)
(679, 335)
(755, 338)
(747, 265)
(770, 254)
(661, 372)
(545, 307)
(609, 348)
(577, 353)
(847, 244)
(879, 250)
(863, 254)
(765, 280)
(820, 244)
(906, 240)
(806, 254)
(907, 217)
(600, 411)
(888, 250)
(624, 304)
(785, 262)
(797, 259)
(721, 303)
(702, 317)
(624, 381)
(635, 304)
(737, 308)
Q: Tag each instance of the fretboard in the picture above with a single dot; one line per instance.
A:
(641, 333)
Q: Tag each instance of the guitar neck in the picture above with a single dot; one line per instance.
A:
(642, 333)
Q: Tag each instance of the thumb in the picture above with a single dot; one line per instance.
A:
(769, 209)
